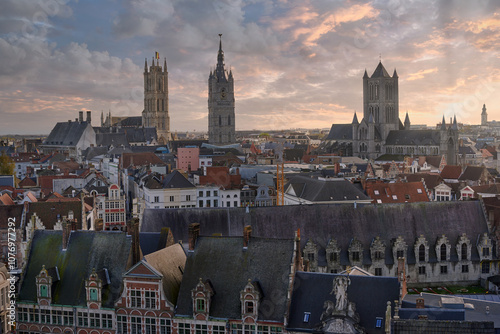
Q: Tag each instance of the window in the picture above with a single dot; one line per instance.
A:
(237, 329)
(201, 329)
(379, 201)
(157, 199)
(165, 326)
(376, 192)
(444, 269)
(150, 325)
(209, 203)
(200, 193)
(486, 251)
(333, 257)
(135, 298)
(235, 204)
(465, 268)
(310, 257)
(216, 203)
(407, 196)
(95, 320)
(218, 329)
(443, 252)
(378, 271)
(400, 253)
(150, 299)
(421, 253)
(56, 317)
(355, 256)
(377, 255)
(378, 323)
(93, 294)
(188, 197)
(172, 199)
(200, 203)
(43, 291)
(421, 270)
(228, 204)
(121, 321)
(485, 267)
(107, 320)
(200, 305)
(394, 197)
(45, 316)
(464, 251)
(135, 325)
(216, 193)
(419, 190)
(183, 328)
(83, 319)
(208, 193)
(248, 307)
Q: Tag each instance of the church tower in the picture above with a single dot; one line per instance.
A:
(221, 120)
(155, 112)
(380, 99)
(484, 116)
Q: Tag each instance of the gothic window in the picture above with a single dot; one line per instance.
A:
(376, 91)
(421, 253)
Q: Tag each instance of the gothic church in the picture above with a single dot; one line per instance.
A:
(380, 131)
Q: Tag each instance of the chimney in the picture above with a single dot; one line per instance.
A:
(420, 303)
(80, 116)
(89, 114)
(299, 263)
(133, 231)
(247, 233)
(402, 276)
(193, 233)
(66, 230)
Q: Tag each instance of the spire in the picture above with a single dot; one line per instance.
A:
(407, 122)
(355, 119)
(395, 74)
(145, 64)
(380, 72)
(365, 75)
(484, 110)
(454, 126)
(165, 64)
(221, 73)
(102, 118)
(443, 124)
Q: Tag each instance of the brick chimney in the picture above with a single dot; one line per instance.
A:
(193, 233)
(247, 233)
(402, 276)
(133, 231)
(66, 230)
(420, 303)
(299, 261)
(80, 116)
(89, 116)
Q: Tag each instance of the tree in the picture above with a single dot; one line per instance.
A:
(6, 165)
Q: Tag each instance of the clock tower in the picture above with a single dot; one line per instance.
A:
(221, 121)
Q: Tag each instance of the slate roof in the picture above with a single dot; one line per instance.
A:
(131, 121)
(340, 132)
(463, 150)
(369, 293)
(48, 211)
(108, 139)
(86, 250)
(472, 173)
(320, 222)
(170, 263)
(314, 190)
(228, 266)
(380, 71)
(451, 172)
(414, 137)
(92, 152)
(140, 135)
(66, 133)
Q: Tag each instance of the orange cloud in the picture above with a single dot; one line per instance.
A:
(421, 74)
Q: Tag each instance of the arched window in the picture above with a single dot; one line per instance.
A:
(443, 252)
(421, 253)
(464, 251)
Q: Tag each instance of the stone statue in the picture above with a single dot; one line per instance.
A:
(340, 284)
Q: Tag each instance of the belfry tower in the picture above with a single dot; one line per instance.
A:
(155, 113)
(221, 121)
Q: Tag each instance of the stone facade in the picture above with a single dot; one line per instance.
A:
(155, 113)
(221, 119)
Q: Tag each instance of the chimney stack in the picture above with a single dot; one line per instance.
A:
(299, 262)
(66, 230)
(247, 233)
(402, 276)
(193, 233)
(133, 231)
(89, 116)
(80, 116)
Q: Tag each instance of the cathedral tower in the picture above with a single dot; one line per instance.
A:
(380, 98)
(484, 116)
(155, 112)
(221, 120)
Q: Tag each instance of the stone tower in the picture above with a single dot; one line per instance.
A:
(484, 116)
(221, 120)
(155, 112)
(380, 99)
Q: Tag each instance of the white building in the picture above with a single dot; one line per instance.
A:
(169, 191)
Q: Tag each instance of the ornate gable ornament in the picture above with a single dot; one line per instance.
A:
(340, 316)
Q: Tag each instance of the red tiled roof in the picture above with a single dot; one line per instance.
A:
(398, 192)
(27, 183)
(140, 159)
(451, 172)
(5, 199)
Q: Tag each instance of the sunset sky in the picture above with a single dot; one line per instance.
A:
(296, 63)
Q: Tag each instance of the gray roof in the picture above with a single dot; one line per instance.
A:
(108, 139)
(140, 135)
(340, 132)
(314, 190)
(380, 71)
(131, 121)
(369, 293)
(86, 250)
(66, 133)
(92, 152)
(414, 137)
(228, 266)
(320, 222)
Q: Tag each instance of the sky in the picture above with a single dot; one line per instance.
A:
(296, 63)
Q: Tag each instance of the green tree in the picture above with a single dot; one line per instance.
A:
(6, 165)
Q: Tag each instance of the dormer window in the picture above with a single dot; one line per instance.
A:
(200, 305)
(249, 307)
(250, 298)
(93, 294)
(44, 291)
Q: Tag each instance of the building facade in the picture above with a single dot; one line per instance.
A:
(221, 119)
(155, 113)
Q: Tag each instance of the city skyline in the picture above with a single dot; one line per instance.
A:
(296, 64)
